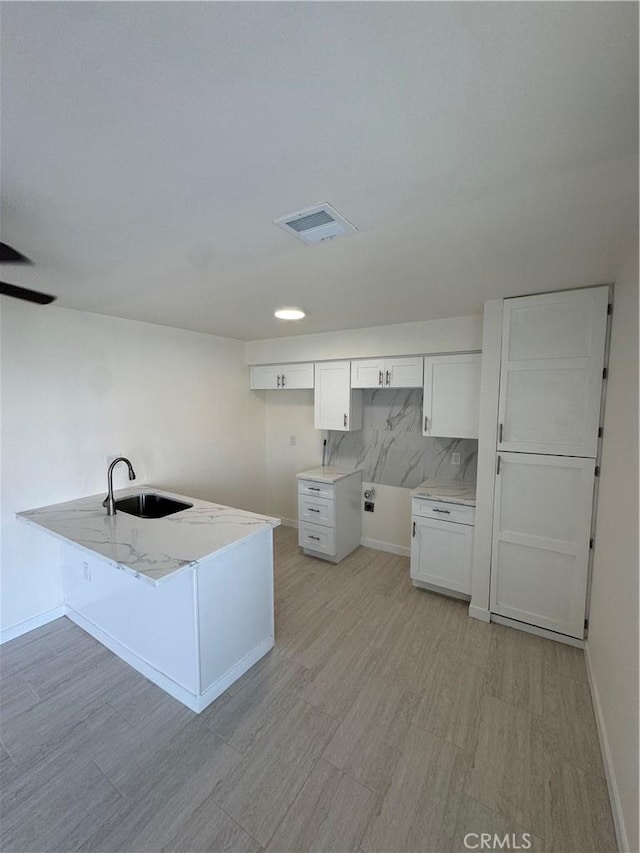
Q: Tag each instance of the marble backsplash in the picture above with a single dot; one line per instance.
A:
(390, 448)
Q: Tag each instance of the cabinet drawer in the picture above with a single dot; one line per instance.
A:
(317, 510)
(316, 490)
(443, 510)
(316, 538)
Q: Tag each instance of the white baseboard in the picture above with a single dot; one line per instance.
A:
(289, 522)
(479, 613)
(31, 624)
(386, 546)
(191, 700)
(609, 771)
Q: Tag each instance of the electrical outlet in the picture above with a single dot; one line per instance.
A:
(368, 506)
(455, 458)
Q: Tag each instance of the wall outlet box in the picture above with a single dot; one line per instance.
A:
(368, 506)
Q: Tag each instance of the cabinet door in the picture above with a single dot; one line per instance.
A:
(367, 373)
(296, 376)
(541, 531)
(451, 395)
(441, 554)
(336, 406)
(551, 376)
(265, 377)
(403, 372)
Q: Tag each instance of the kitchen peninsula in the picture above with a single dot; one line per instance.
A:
(187, 599)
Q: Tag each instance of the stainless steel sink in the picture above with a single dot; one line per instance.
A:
(150, 505)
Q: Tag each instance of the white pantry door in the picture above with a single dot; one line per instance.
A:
(541, 531)
(551, 377)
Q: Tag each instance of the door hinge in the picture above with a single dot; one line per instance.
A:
(590, 543)
(599, 432)
(610, 308)
(596, 472)
(605, 372)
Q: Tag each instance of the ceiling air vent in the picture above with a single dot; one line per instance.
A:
(315, 224)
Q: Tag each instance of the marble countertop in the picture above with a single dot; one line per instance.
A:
(455, 492)
(326, 474)
(151, 549)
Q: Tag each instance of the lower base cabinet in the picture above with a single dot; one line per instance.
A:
(442, 546)
(329, 512)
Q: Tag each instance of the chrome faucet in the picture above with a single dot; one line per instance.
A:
(109, 501)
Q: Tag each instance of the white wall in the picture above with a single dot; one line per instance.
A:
(455, 334)
(290, 413)
(612, 646)
(77, 387)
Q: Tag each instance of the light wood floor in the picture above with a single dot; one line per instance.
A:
(384, 720)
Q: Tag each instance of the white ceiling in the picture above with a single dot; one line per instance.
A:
(482, 150)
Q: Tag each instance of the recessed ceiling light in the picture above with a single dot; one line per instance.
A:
(289, 314)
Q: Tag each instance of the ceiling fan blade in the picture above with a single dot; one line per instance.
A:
(25, 293)
(12, 256)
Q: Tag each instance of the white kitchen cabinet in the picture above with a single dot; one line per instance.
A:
(336, 405)
(281, 376)
(541, 533)
(442, 546)
(387, 372)
(329, 519)
(451, 396)
(553, 349)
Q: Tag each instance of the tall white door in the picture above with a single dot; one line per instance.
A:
(551, 376)
(541, 531)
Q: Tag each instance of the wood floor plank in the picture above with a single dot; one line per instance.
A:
(55, 805)
(258, 792)
(515, 668)
(420, 808)
(577, 811)
(565, 660)
(507, 769)
(475, 819)
(368, 742)
(330, 813)
(569, 722)
(450, 701)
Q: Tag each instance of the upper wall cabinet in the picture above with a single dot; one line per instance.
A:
(336, 405)
(551, 376)
(278, 376)
(451, 396)
(387, 372)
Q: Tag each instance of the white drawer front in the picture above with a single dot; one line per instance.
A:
(316, 490)
(443, 510)
(316, 538)
(317, 510)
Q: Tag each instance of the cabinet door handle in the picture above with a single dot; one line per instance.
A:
(379, 377)
(413, 533)
(283, 380)
(498, 466)
(426, 424)
(311, 509)
(317, 538)
(388, 378)
(278, 380)
(500, 434)
(345, 420)
(446, 511)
